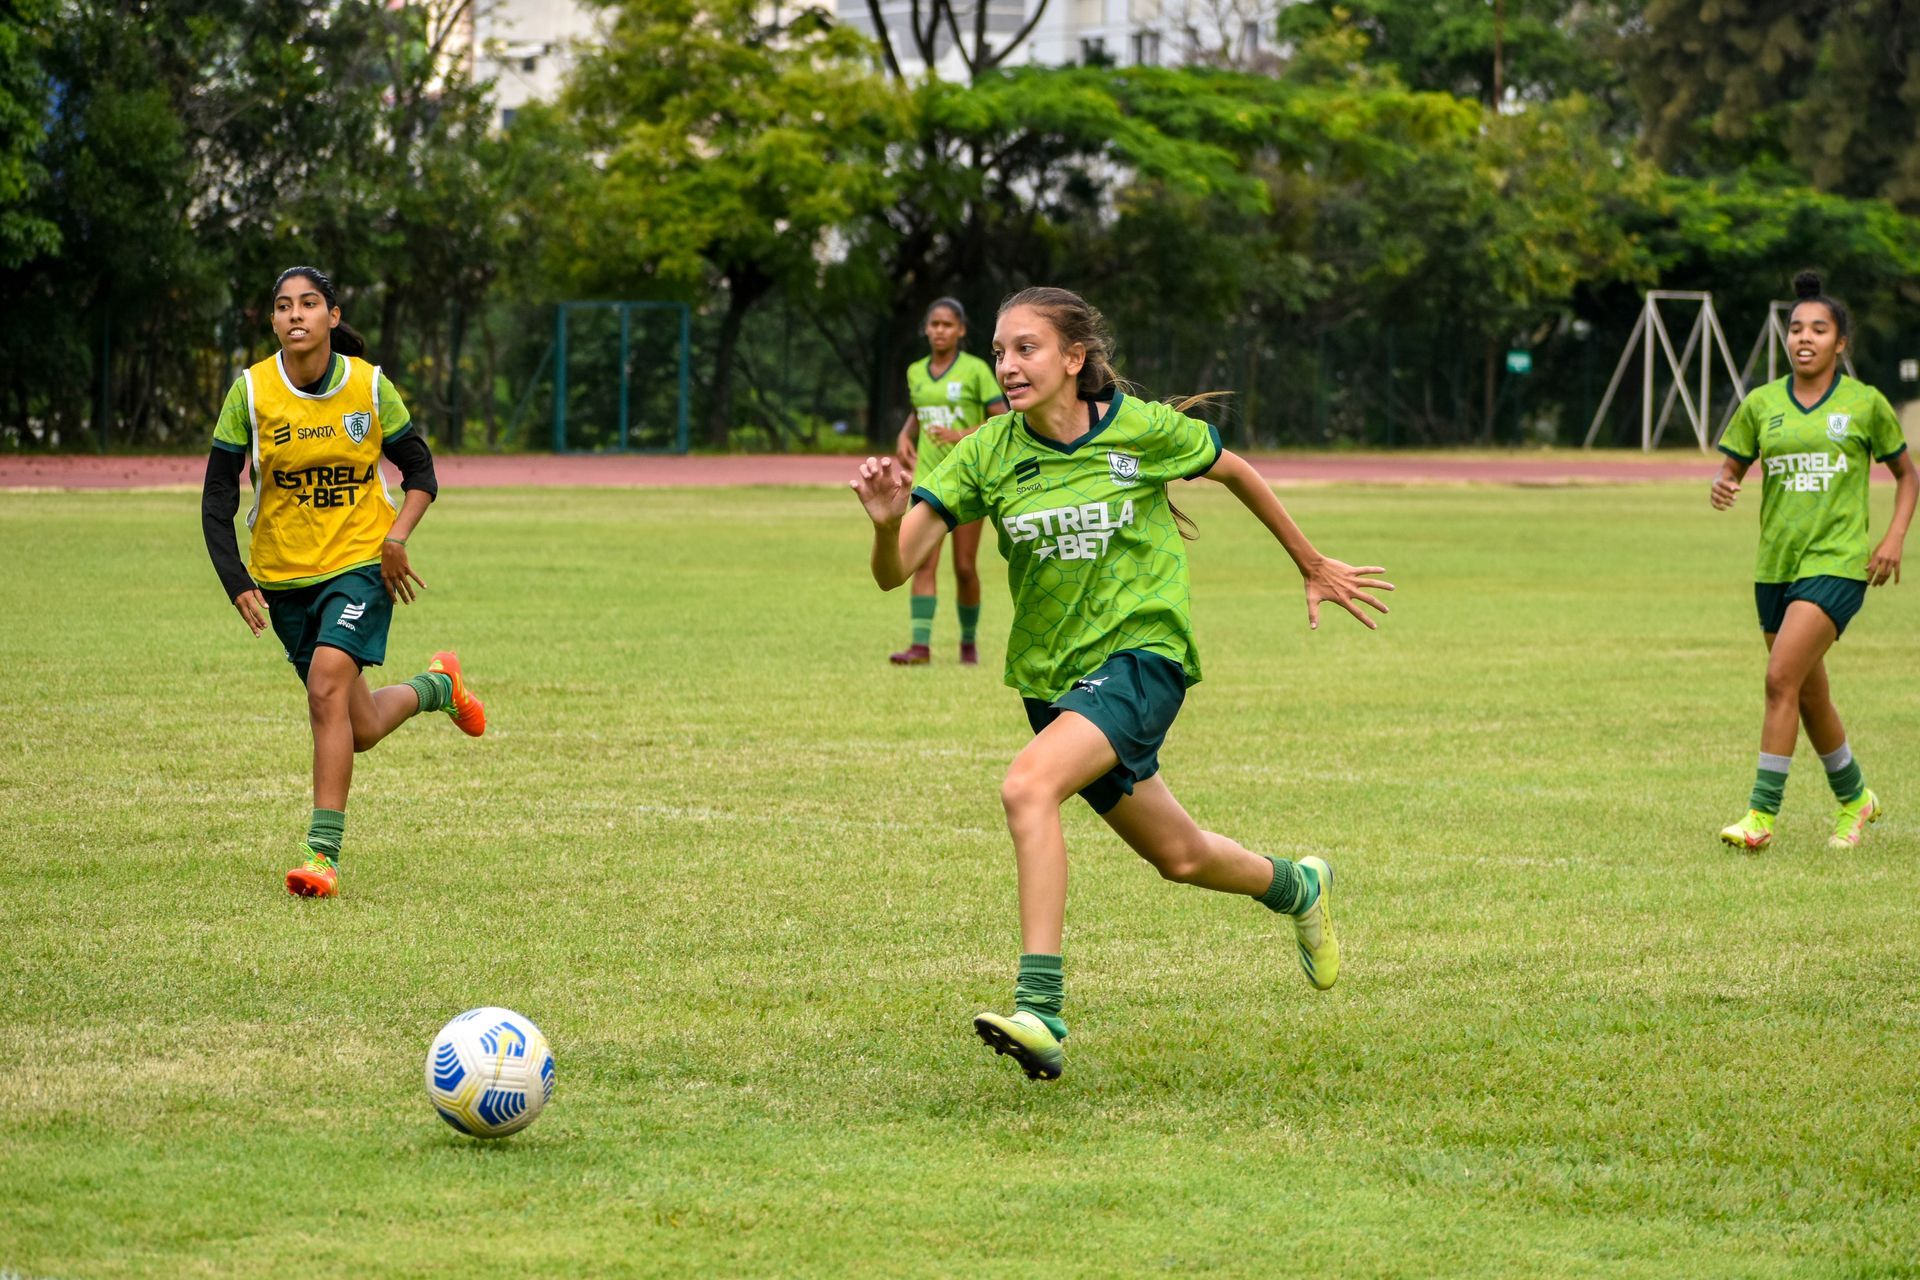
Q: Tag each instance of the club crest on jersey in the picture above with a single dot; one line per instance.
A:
(1124, 467)
(1837, 424)
(955, 390)
(357, 425)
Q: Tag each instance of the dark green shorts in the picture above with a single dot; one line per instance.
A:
(1838, 598)
(349, 611)
(1132, 698)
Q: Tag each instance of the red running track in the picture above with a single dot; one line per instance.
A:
(652, 471)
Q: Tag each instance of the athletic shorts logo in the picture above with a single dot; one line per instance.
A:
(282, 433)
(1124, 466)
(1026, 476)
(349, 616)
(1092, 684)
(357, 425)
(1837, 424)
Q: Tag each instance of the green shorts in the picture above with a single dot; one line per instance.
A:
(1838, 598)
(1132, 698)
(349, 611)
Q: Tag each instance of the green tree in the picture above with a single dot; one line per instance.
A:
(1537, 50)
(732, 152)
(1827, 92)
(24, 232)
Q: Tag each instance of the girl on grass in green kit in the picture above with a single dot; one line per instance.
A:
(1816, 434)
(327, 555)
(952, 393)
(1075, 481)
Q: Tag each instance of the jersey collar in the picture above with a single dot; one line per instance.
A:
(346, 368)
(935, 377)
(1831, 388)
(1086, 438)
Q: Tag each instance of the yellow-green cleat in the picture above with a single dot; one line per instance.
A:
(1025, 1039)
(1751, 833)
(1850, 824)
(1313, 930)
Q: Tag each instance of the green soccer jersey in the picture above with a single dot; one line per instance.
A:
(1094, 559)
(956, 398)
(1814, 465)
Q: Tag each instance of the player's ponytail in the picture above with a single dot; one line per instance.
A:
(1807, 287)
(346, 339)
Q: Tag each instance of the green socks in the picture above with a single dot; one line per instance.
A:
(325, 830)
(1041, 990)
(1770, 783)
(923, 607)
(969, 622)
(1843, 774)
(1294, 888)
(434, 689)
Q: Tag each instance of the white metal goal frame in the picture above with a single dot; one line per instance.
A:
(1649, 340)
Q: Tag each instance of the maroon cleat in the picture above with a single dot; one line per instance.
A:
(969, 654)
(914, 655)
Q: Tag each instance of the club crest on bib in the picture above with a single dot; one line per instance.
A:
(1124, 467)
(1837, 424)
(357, 425)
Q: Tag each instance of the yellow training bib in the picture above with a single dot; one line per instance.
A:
(320, 504)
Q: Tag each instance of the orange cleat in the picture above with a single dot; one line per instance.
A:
(317, 877)
(466, 710)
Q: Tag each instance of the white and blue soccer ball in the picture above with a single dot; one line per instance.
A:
(489, 1072)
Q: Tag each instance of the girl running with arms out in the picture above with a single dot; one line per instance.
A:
(1075, 480)
(952, 393)
(1816, 433)
(328, 552)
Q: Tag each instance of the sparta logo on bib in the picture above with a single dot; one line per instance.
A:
(1124, 467)
(356, 425)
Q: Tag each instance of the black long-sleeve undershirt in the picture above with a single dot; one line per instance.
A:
(220, 499)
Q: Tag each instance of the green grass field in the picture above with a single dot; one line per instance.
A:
(752, 883)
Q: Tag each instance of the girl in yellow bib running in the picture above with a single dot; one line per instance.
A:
(327, 556)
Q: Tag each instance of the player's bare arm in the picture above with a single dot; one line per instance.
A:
(1884, 564)
(1326, 579)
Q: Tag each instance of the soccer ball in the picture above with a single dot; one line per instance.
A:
(489, 1072)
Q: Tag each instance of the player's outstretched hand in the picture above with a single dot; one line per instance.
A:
(396, 570)
(883, 489)
(252, 608)
(1884, 565)
(1347, 587)
(1724, 492)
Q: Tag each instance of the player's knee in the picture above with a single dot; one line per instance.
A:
(1024, 789)
(326, 697)
(1783, 686)
(966, 580)
(1180, 861)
